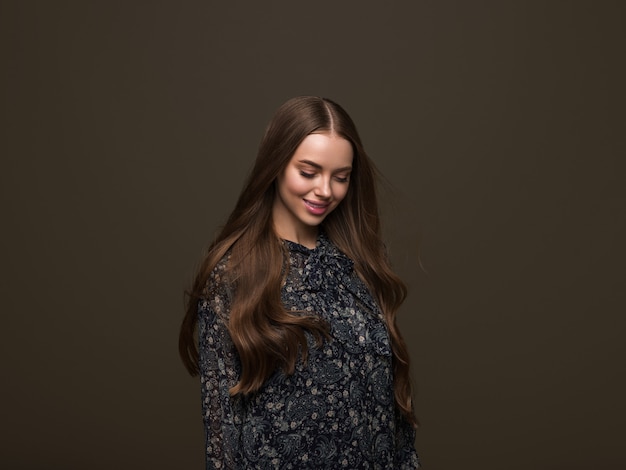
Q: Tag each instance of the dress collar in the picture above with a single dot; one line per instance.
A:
(322, 261)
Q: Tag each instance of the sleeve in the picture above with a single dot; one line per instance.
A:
(219, 371)
(406, 456)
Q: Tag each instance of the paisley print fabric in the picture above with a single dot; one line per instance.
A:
(336, 411)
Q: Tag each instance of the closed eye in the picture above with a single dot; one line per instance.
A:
(307, 175)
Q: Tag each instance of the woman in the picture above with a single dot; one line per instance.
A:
(300, 359)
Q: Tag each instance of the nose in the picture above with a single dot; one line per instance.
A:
(323, 189)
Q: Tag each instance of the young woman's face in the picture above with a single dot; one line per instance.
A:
(312, 185)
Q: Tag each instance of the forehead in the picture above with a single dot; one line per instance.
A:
(325, 150)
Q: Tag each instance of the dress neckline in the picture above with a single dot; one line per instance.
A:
(295, 246)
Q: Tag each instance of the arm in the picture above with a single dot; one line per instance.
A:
(219, 371)
(406, 457)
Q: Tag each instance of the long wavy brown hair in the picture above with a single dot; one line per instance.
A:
(266, 335)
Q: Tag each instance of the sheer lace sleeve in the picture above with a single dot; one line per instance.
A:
(219, 371)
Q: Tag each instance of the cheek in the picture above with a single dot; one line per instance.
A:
(341, 192)
(295, 185)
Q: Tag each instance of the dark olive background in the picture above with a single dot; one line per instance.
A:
(128, 128)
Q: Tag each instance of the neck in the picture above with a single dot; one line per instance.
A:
(305, 236)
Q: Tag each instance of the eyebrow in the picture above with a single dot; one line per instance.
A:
(319, 167)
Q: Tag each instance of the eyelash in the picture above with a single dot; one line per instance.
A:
(312, 175)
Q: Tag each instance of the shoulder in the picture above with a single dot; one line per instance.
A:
(219, 285)
(219, 272)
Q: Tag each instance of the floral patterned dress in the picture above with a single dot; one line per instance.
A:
(337, 410)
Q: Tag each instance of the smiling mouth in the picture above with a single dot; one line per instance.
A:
(316, 205)
(316, 209)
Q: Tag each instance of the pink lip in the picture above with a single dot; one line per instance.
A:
(316, 208)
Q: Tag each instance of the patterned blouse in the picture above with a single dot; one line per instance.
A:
(337, 410)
